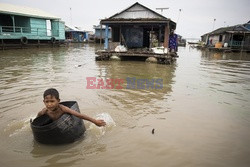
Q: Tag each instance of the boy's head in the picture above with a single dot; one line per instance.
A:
(51, 98)
(52, 92)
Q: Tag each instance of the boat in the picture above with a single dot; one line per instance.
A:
(182, 42)
(193, 43)
(67, 129)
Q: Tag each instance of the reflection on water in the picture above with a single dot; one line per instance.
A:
(136, 101)
(200, 116)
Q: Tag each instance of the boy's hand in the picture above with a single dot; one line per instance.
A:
(100, 122)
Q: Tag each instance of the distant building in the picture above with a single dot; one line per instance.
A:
(24, 25)
(138, 27)
(74, 34)
(234, 37)
(181, 41)
(100, 33)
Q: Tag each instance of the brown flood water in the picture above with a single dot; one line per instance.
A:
(201, 115)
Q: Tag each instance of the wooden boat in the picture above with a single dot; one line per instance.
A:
(66, 129)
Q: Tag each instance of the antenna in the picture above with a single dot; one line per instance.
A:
(70, 16)
(161, 9)
(214, 23)
(179, 15)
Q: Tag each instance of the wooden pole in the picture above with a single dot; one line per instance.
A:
(38, 43)
(242, 43)
(2, 44)
(13, 22)
(151, 37)
(166, 36)
(106, 44)
(159, 38)
(101, 34)
(232, 35)
(120, 36)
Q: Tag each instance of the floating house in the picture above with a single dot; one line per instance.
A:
(100, 33)
(233, 38)
(74, 34)
(139, 29)
(181, 41)
(23, 26)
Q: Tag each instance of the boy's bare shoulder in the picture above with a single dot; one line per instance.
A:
(63, 108)
(42, 112)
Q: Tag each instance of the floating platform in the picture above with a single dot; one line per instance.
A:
(228, 49)
(167, 58)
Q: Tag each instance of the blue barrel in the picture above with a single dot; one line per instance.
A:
(66, 129)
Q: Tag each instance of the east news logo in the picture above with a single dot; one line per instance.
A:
(118, 83)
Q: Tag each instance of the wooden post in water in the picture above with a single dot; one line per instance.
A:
(38, 43)
(2, 44)
(166, 36)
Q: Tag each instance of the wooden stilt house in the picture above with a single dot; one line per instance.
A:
(137, 28)
(23, 26)
(233, 38)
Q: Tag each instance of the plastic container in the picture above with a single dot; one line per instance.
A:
(218, 45)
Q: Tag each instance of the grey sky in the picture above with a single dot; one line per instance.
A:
(195, 19)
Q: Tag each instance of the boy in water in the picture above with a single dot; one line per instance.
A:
(55, 110)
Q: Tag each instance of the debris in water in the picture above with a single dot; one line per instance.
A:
(153, 131)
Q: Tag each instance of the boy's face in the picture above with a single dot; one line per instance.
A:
(51, 102)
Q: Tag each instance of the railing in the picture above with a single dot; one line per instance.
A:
(236, 43)
(43, 32)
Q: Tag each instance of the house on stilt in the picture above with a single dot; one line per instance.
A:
(232, 38)
(24, 27)
(75, 35)
(140, 31)
(100, 32)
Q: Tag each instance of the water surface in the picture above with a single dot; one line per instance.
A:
(200, 116)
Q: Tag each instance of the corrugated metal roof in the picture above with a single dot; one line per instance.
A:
(71, 28)
(25, 11)
(242, 28)
(137, 13)
(237, 28)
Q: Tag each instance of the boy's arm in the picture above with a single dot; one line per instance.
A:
(83, 116)
(41, 112)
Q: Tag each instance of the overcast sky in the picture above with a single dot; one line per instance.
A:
(195, 19)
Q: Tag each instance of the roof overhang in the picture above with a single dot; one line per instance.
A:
(137, 21)
(239, 32)
(10, 9)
